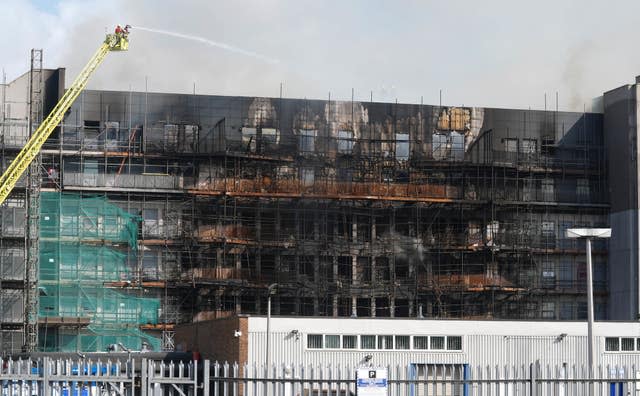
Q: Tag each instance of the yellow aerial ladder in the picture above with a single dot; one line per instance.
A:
(118, 41)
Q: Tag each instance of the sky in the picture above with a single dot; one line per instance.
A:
(492, 53)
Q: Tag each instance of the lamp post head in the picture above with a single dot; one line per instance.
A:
(271, 288)
(575, 233)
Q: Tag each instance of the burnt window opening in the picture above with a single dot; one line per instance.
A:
(270, 136)
(306, 267)
(382, 272)
(170, 132)
(288, 264)
(345, 142)
(548, 146)
(364, 273)
(383, 310)
(191, 130)
(307, 140)
(190, 136)
(248, 304)
(388, 175)
(549, 234)
(548, 275)
(248, 138)
(528, 190)
(457, 146)
(345, 175)
(382, 227)
(112, 129)
(402, 146)
(90, 135)
(439, 146)
(528, 146)
(307, 225)
(548, 310)
(401, 269)
(447, 146)
(344, 307)
(548, 191)
(345, 267)
(268, 265)
(307, 176)
(510, 145)
(287, 306)
(254, 138)
(402, 176)
(363, 310)
(91, 125)
(566, 274)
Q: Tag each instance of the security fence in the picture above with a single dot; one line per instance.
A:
(136, 376)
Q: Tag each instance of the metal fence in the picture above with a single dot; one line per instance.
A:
(61, 377)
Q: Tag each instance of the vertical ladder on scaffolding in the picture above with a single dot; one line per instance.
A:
(33, 208)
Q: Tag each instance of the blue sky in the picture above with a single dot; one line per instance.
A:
(492, 53)
(48, 6)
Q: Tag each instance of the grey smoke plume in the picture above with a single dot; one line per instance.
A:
(497, 53)
(406, 248)
(575, 74)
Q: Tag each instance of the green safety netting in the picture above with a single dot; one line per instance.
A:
(97, 338)
(101, 305)
(69, 217)
(61, 262)
(85, 243)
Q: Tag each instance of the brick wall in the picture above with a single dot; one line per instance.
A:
(215, 339)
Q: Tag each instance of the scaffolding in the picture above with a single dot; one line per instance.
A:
(362, 209)
(186, 208)
(86, 243)
(14, 131)
(424, 215)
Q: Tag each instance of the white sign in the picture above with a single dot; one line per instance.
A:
(372, 381)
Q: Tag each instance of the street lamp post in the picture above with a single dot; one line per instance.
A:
(270, 291)
(588, 234)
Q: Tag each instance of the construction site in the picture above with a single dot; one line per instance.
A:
(147, 210)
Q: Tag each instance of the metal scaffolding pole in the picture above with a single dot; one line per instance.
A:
(33, 208)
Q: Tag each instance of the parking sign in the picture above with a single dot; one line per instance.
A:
(372, 381)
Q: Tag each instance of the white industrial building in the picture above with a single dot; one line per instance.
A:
(380, 342)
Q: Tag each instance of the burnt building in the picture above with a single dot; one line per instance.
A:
(157, 209)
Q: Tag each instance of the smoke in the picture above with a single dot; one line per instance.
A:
(493, 54)
(576, 79)
(405, 248)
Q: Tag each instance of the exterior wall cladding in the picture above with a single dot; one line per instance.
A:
(352, 208)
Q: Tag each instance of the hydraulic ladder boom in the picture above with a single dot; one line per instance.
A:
(8, 180)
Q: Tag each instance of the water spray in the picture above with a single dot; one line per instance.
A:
(209, 42)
